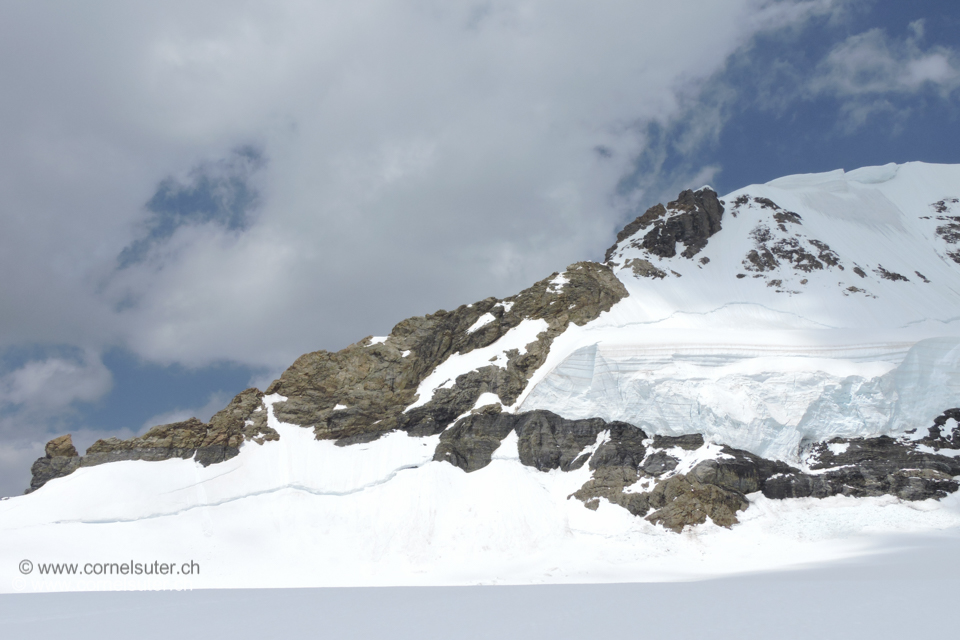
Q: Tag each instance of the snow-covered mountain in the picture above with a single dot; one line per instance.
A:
(773, 374)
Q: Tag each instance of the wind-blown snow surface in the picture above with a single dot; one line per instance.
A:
(700, 351)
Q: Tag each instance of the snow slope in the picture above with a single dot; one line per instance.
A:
(771, 360)
(301, 512)
(754, 365)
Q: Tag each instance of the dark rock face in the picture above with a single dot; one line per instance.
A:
(639, 473)
(779, 242)
(949, 231)
(470, 443)
(700, 217)
(785, 217)
(376, 382)
(616, 465)
(769, 252)
(548, 441)
(863, 467)
(713, 489)
(652, 214)
(689, 220)
(890, 275)
(207, 443)
(702, 213)
(940, 436)
(687, 442)
(61, 459)
(659, 463)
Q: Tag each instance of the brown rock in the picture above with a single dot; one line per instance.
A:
(682, 501)
(61, 446)
(207, 443)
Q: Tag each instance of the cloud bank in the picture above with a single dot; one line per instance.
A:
(244, 182)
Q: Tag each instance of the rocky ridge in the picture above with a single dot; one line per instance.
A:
(375, 382)
(375, 385)
(361, 392)
(244, 419)
(683, 480)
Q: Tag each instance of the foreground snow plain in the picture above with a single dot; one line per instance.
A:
(899, 594)
(731, 358)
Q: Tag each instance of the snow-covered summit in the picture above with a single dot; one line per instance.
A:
(871, 248)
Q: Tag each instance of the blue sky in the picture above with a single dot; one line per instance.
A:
(196, 193)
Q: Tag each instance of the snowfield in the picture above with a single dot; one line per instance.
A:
(756, 366)
(306, 513)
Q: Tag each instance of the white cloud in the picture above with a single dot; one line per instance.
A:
(49, 385)
(418, 155)
(869, 68)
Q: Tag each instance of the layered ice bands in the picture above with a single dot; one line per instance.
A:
(767, 399)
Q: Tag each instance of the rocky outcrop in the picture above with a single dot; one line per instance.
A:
(470, 443)
(376, 382)
(890, 275)
(690, 220)
(869, 467)
(61, 459)
(945, 432)
(680, 501)
(910, 468)
(622, 459)
(617, 465)
(243, 419)
(546, 441)
(947, 226)
(679, 481)
(779, 242)
(644, 268)
(803, 254)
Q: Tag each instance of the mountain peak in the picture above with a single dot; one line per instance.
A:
(793, 340)
(689, 220)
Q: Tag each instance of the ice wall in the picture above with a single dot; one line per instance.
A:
(768, 401)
